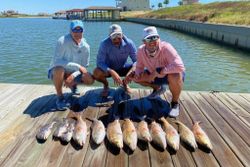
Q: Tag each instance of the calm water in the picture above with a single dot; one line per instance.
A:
(27, 45)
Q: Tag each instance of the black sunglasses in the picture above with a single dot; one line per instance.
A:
(151, 39)
(77, 30)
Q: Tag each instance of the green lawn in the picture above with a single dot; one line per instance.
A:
(233, 12)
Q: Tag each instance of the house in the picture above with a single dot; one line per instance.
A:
(188, 2)
(133, 5)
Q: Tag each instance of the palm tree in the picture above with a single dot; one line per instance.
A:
(166, 2)
(160, 5)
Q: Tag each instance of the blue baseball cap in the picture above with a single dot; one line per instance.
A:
(76, 23)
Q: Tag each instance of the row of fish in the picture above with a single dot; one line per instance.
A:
(128, 134)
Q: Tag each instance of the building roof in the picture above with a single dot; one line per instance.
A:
(102, 8)
(75, 10)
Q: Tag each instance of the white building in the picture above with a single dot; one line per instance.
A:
(133, 5)
(188, 2)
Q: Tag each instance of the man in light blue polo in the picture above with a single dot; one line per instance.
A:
(69, 63)
(112, 58)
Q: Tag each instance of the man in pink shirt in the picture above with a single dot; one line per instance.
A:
(159, 64)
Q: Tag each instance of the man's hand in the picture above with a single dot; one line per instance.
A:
(69, 81)
(129, 77)
(117, 79)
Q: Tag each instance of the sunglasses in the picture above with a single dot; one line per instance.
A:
(151, 39)
(77, 30)
(115, 36)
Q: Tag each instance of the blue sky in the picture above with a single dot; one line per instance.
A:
(51, 6)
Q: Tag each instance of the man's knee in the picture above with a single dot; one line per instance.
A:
(88, 79)
(98, 73)
(175, 78)
(58, 70)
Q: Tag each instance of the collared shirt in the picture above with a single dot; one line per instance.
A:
(166, 58)
(67, 52)
(111, 56)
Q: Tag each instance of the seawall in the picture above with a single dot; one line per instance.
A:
(237, 36)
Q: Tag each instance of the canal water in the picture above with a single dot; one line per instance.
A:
(27, 46)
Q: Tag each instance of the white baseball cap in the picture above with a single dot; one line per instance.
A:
(115, 29)
(149, 32)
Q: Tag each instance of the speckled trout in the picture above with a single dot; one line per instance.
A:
(172, 136)
(201, 137)
(45, 131)
(186, 134)
(67, 135)
(114, 134)
(62, 128)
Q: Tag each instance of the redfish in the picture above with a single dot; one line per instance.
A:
(129, 134)
(114, 134)
(98, 132)
(143, 131)
(201, 137)
(80, 131)
(186, 134)
(172, 136)
(158, 135)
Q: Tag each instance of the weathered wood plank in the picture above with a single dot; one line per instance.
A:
(235, 108)
(246, 96)
(24, 139)
(235, 123)
(58, 152)
(23, 124)
(17, 110)
(141, 154)
(240, 100)
(226, 132)
(35, 151)
(96, 154)
(187, 116)
(157, 157)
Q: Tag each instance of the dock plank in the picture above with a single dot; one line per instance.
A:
(141, 154)
(225, 118)
(157, 157)
(235, 123)
(240, 100)
(226, 132)
(188, 115)
(234, 107)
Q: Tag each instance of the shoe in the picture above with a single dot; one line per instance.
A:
(158, 92)
(61, 104)
(175, 110)
(75, 91)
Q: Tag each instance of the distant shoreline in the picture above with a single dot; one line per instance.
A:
(29, 17)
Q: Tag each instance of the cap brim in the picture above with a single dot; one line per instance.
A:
(113, 33)
(151, 35)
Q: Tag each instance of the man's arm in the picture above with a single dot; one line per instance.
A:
(175, 64)
(101, 58)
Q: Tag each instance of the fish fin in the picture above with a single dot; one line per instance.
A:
(90, 119)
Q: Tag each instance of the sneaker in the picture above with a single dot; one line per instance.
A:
(61, 104)
(175, 110)
(158, 92)
(75, 91)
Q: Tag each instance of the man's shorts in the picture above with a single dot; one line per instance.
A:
(164, 80)
(123, 71)
(78, 79)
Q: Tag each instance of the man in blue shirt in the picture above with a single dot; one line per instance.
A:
(69, 63)
(112, 58)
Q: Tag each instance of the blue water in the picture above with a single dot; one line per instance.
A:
(27, 46)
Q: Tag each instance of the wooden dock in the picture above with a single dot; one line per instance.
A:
(25, 108)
